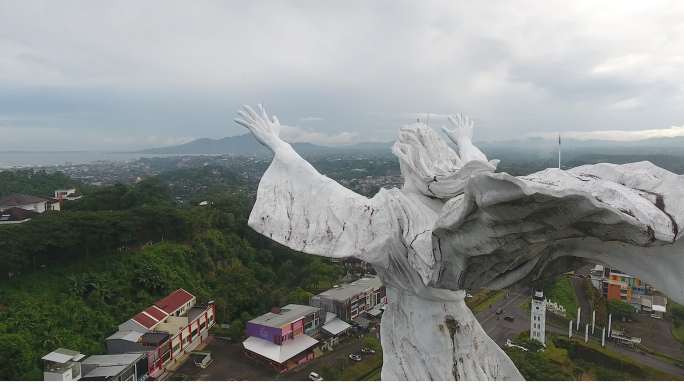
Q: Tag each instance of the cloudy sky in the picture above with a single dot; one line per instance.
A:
(78, 75)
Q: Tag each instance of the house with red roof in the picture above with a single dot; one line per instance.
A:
(173, 326)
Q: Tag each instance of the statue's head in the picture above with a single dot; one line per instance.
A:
(430, 165)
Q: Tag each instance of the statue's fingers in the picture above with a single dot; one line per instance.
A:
(264, 116)
(246, 116)
(244, 123)
(275, 120)
(445, 129)
(251, 112)
(452, 120)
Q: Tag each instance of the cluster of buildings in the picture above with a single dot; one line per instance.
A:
(18, 208)
(289, 336)
(143, 347)
(614, 284)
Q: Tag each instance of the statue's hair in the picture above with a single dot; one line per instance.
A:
(433, 167)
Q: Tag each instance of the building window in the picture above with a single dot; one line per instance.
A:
(176, 348)
(202, 326)
(194, 332)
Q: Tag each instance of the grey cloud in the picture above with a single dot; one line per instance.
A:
(180, 69)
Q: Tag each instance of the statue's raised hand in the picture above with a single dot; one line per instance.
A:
(264, 130)
(463, 130)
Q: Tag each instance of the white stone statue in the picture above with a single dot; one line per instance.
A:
(456, 224)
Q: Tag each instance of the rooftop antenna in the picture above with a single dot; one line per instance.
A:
(559, 150)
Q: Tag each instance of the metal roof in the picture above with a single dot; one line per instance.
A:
(279, 353)
(145, 320)
(109, 371)
(361, 321)
(347, 291)
(335, 326)
(62, 355)
(287, 315)
(172, 302)
(156, 313)
(110, 360)
(132, 336)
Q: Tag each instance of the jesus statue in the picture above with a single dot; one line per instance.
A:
(456, 225)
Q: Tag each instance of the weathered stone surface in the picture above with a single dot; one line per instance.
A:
(455, 224)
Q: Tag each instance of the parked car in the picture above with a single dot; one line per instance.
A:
(629, 320)
(469, 296)
(653, 315)
(509, 318)
(368, 351)
(498, 311)
(315, 376)
(355, 357)
(582, 276)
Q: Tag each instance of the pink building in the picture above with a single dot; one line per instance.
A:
(281, 338)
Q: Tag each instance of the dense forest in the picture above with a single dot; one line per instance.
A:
(80, 272)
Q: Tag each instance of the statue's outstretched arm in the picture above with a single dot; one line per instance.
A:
(306, 211)
(462, 135)
(511, 231)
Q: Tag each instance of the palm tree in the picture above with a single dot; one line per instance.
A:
(101, 290)
(76, 286)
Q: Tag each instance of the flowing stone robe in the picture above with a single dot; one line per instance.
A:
(502, 231)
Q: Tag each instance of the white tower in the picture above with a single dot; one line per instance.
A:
(538, 317)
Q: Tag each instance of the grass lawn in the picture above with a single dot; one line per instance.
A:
(489, 301)
(526, 305)
(678, 333)
(367, 364)
(560, 290)
(375, 376)
(479, 298)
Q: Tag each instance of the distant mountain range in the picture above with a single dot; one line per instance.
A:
(247, 145)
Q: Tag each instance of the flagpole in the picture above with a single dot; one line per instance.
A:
(559, 151)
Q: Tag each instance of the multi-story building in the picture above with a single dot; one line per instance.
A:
(620, 286)
(348, 301)
(281, 339)
(617, 285)
(170, 328)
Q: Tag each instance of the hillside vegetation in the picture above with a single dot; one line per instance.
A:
(100, 269)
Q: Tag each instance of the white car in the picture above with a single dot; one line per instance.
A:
(469, 296)
(315, 376)
(653, 315)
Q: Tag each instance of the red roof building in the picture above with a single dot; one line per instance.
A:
(176, 302)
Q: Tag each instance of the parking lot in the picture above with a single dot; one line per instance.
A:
(229, 364)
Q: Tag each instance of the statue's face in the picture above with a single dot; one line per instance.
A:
(424, 156)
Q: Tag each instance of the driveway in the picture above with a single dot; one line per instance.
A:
(301, 373)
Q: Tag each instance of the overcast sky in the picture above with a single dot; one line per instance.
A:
(78, 75)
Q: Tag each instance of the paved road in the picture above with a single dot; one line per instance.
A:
(585, 306)
(301, 373)
(500, 330)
